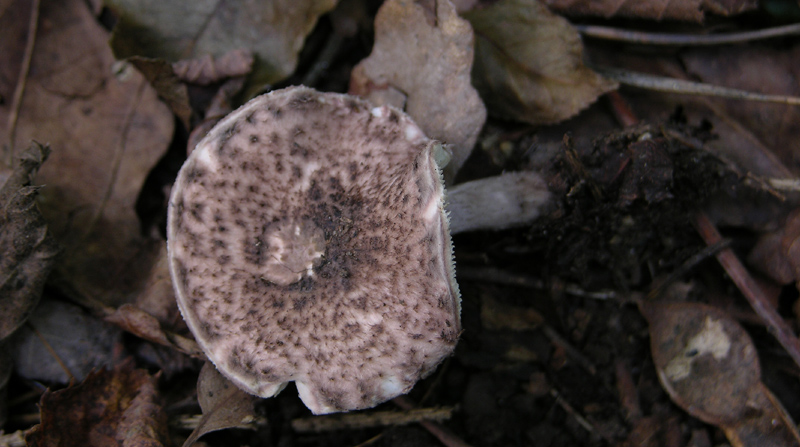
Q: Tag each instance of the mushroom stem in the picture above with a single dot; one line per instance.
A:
(496, 203)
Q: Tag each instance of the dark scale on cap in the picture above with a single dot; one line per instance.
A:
(331, 248)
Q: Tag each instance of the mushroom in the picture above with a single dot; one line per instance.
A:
(308, 242)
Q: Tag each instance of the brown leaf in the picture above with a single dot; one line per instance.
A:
(767, 424)
(174, 30)
(207, 70)
(770, 256)
(423, 56)
(157, 298)
(686, 10)
(117, 407)
(709, 366)
(790, 244)
(42, 351)
(138, 322)
(224, 405)
(159, 73)
(106, 133)
(529, 63)
(221, 104)
(756, 135)
(28, 250)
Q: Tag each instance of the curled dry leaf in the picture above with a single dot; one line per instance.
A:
(223, 404)
(528, 63)
(709, 366)
(686, 10)
(422, 57)
(175, 30)
(111, 407)
(107, 133)
(28, 250)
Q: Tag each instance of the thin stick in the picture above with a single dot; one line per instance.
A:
(681, 86)
(573, 352)
(688, 265)
(16, 102)
(571, 411)
(349, 421)
(498, 276)
(645, 38)
(749, 288)
(445, 436)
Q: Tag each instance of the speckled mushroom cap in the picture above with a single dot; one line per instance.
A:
(308, 243)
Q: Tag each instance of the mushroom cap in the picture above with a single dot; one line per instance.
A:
(308, 242)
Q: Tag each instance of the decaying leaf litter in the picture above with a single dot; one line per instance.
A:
(605, 321)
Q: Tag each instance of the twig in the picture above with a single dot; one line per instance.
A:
(445, 436)
(498, 276)
(16, 102)
(681, 86)
(573, 352)
(192, 421)
(784, 184)
(16, 439)
(749, 288)
(688, 265)
(571, 411)
(622, 111)
(641, 37)
(628, 394)
(371, 419)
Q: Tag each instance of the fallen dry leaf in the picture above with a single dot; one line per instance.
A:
(770, 254)
(207, 70)
(169, 79)
(223, 404)
(686, 10)
(157, 298)
(143, 325)
(116, 407)
(767, 134)
(28, 250)
(43, 352)
(106, 133)
(175, 30)
(790, 245)
(529, 63)
(221, 104)
(422, 57)
(159, 73)
(708, 365)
